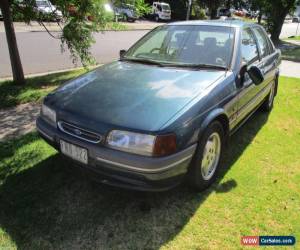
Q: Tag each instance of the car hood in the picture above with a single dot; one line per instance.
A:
(130, 95)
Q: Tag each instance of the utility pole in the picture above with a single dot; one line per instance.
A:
(16, 65)
(189, 10)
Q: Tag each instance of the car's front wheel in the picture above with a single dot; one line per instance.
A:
(206, 161)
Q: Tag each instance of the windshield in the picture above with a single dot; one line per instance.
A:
(42, 4)
(165, 7)
(184, 45)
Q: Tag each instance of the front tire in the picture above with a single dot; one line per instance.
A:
(156, 18)
(206, 161)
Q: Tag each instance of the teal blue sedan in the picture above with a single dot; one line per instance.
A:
(163, 112)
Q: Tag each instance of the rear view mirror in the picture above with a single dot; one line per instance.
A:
(122, 53)
(256, 75)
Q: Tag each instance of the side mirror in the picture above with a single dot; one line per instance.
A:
(122, 52)
(256, 75)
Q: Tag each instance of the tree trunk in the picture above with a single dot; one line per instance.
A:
(277, 26)
(15, 60)
(213, 13)
(228, 4)
(188, 13)
(213, 8)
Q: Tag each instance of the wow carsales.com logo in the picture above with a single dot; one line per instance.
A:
(268, 240)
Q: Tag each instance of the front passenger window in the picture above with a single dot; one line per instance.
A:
(249, 48)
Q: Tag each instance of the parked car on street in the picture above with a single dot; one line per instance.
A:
(240, 13)
(288, 18)
(296, 19)
(163, 113)
(224, 12)
(108, 12)
(161, 11)
(47, 9)
(126, 12)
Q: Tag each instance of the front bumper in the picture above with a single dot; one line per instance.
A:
(165, 17)
(123, 169)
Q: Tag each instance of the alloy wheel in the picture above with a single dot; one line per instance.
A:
(211, 156)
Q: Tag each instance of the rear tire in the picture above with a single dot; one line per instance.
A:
(267, 105)
(206, 161)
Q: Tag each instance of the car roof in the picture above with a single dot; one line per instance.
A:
(224, 23)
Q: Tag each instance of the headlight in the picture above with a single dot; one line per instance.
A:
(142, 144)
(48, 114)
(131, 142)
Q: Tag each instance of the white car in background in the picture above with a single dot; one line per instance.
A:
(161, 11)
(296, 19)
(45, 7)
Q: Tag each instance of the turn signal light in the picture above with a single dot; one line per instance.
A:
(164, 145)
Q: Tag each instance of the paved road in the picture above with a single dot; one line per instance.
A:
(41, 53)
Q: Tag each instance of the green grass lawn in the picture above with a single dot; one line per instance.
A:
(35, 88)
(46, 204)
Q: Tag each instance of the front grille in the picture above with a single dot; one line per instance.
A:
(79, 132)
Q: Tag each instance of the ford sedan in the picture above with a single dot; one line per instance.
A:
(164, 111)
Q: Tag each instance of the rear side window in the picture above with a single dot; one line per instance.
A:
(270, 43)
(271, 46)
(262, 41)
(249, 48)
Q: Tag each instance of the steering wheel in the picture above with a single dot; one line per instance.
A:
(154, 49)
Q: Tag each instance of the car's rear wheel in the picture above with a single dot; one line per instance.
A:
(206, 162)
(268, 103)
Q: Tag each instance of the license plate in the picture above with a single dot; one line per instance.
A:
(74, 152)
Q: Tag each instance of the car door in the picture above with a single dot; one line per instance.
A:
(268, 55)
(247, 89)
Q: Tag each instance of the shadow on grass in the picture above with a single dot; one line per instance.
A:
(47, 207)
(36, 87)
(290, 50)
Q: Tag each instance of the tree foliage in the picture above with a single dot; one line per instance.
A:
(80, 19)
(275, 12)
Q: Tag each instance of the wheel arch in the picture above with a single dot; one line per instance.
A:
(216, 115)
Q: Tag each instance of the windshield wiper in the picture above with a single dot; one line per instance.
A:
(199, 66)
(146, 61)
(184, 65)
